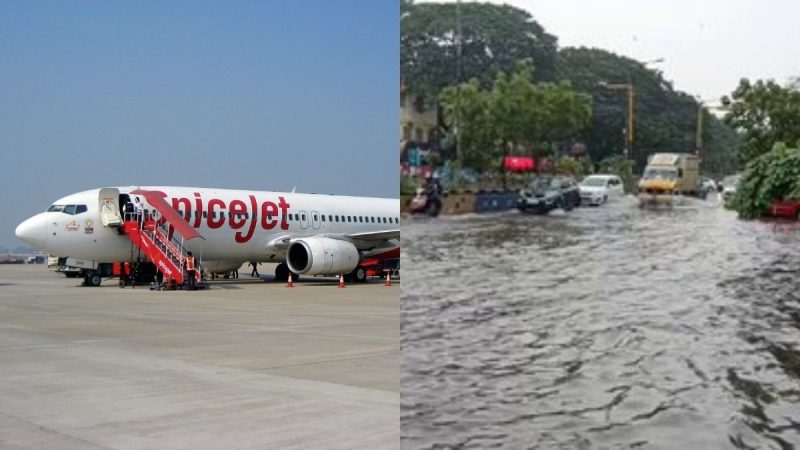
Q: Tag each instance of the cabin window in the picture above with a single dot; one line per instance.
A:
(323, 217)
(330, 218)
(373, 219)
(304, 217)
(205, 214)
(315, 218)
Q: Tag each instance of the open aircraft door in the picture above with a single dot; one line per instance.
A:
(109, 207)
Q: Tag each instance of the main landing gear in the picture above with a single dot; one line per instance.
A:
(282, 273)
(358, 274)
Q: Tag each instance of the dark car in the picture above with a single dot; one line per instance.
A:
(548, 193)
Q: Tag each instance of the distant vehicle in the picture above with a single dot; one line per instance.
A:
(548, 193)
(729, 185)
(708, 185)
(669, 174)
(597, 189)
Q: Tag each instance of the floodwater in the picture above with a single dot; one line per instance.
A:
(606, 327)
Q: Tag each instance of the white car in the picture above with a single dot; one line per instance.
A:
(729, 185)
(597, 189)
(708, 185)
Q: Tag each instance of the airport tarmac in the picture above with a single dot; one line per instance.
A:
(243, 364)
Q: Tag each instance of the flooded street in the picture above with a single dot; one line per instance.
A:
(609, 327)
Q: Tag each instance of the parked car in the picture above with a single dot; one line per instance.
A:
(597, 189)
(729, 185)
(548, 193)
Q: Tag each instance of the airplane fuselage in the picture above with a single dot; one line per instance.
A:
(237, 225)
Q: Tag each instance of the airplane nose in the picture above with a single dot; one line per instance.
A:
(33, 232)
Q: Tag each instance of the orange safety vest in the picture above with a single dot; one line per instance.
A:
(190, 263)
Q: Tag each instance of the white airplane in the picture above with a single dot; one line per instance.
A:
(306, 233)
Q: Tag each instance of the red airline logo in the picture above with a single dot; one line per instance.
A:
(268, 214)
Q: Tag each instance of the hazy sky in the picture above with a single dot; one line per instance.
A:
(707, 45)
(247, 94)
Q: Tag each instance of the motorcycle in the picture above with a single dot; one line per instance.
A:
(426, 202)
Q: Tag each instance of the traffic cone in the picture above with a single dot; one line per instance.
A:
(341, 281)
(290, 284)
(388, 280)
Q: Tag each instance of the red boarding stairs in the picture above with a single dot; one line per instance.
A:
(153, 237)
(168, 257)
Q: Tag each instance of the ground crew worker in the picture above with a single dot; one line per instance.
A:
(190, 270)
(254, 272)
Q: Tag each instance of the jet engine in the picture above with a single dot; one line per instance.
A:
(321, 256)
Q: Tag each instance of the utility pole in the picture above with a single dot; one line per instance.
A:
(629, 128)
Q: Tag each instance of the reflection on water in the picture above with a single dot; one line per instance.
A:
(610, 327)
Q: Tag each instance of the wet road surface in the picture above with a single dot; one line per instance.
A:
(609, 327)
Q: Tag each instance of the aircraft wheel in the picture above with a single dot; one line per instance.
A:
(121, 284)
(281, 272)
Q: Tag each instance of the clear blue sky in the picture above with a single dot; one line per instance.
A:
(260, 95)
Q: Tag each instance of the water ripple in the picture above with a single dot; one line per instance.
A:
(612, 327)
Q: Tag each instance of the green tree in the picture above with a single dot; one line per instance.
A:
(665, 119)
(515, 113)
(764, 113)
(493, 39)
(571, 166)
(774, 175)
(620, 166)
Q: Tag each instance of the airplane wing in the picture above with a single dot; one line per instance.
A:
(374, 235)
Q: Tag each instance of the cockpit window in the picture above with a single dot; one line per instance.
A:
(70, 209)
(55, 208)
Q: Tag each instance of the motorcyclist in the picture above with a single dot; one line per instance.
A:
(433, 188)
(430, 196)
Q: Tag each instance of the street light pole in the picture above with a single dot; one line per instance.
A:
(630, 130)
